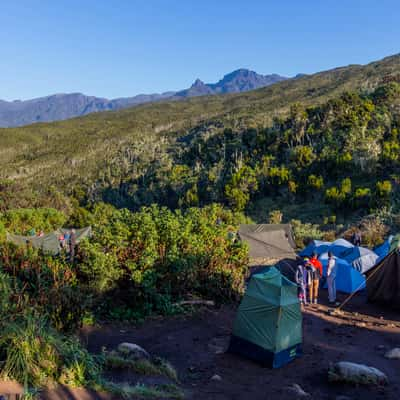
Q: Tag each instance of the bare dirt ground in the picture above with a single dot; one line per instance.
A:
(195, 345)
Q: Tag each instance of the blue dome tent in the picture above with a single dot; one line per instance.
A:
(384, 249)
(360, 258)
(339, 246)
(348, 279)
(316, 246)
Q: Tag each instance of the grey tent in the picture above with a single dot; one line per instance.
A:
(48, 243)
(268, 241)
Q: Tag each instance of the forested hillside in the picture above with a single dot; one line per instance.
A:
(332, 137)
(314, 149)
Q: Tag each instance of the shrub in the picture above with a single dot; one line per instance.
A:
(315, 182)
(45, 283)
(383, 189)
(34, 354)
(275, 217)
(304, 232)
(148, 259)
(22, 220)
(374, 231)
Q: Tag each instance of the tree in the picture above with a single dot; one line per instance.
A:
(240, 186)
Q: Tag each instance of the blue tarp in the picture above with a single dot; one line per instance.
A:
(348, 279)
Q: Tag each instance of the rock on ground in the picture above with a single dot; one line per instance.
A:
(393, 354)
(216, 378)
(345, 371)
(133, 350)
(297, 390)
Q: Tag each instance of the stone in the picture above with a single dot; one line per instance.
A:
(297, 390)
(216, 378)
(341, 397)
(345, 371)
(133, 350)
(393, 354)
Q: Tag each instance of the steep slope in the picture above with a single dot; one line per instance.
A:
(100, 151)
(64, 106)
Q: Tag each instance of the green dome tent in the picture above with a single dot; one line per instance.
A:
(268, 325)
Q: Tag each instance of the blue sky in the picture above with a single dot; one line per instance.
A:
(125, 47)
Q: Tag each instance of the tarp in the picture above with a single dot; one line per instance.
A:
(360, 258)
(383, 281)
(48, 243)
(268, 325)
(273, 241)
(348, 279)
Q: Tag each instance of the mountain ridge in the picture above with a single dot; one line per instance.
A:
(61, 106)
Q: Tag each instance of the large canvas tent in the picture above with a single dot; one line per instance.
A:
(268, 241)
(268, 325)
(383, 281)
(48, 243)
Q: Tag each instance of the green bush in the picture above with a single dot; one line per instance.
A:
(22, 220)
(44, 283)
(150, 258)
(304, 232)
(36, 355)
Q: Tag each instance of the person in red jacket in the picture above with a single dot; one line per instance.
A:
(316, 275)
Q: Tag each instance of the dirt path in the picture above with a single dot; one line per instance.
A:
(194, 345)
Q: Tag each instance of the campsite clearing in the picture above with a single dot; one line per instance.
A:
(194, 345)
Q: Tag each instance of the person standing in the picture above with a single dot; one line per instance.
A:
(72, 244)
(315, 278)
(301, 280)
(356, 239)
(331, 278)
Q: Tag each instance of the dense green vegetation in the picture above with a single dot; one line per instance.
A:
(135, 264)
(124, 157)
(164, 186)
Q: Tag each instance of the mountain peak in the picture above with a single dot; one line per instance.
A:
(243, 79)
(68, 105)
(197, 83)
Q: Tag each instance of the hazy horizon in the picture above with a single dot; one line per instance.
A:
(110, 51)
